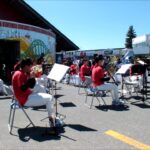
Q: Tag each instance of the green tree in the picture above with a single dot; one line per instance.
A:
(130, 35)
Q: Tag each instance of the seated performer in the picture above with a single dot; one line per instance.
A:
(85, 70)
(73, 69)
(3, 88)
(99, 79)
(41, 79)
(136, 73)
(22, 86)
(136, 69)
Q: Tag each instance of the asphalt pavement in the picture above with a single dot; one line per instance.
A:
(100, 128)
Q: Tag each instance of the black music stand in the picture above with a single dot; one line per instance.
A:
(144, 92)
(56, 74)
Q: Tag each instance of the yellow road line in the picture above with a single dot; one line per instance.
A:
(128, 140)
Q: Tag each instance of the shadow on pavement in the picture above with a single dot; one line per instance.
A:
(39, 134)
(112, 107)
(58, 95)
(57, 88)
(141, 104)
(5, 97)
(136, 97)
(80, 128)
(67, 104)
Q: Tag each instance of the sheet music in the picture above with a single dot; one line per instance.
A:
(57, 72)
(141, 62)
(124, 69)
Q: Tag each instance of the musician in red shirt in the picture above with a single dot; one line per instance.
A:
(84, 70)
(73, 69)
(99, 80)
(23, 85)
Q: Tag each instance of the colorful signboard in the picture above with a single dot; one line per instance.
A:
(34, 41)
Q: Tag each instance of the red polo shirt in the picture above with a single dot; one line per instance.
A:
(84, 71)
(97, 75)
(19, 78)
(73, 69)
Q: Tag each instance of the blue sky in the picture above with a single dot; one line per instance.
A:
(96, 24)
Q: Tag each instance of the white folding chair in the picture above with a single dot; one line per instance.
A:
(13, 106)
(94, 93)
(84, 84)
(132, 85)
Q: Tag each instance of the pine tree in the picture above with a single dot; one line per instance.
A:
(130, 35)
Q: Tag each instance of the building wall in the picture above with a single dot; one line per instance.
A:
(19, 11)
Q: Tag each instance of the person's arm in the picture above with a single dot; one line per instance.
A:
(102, 77)
(24, 87)
(30, 83)
(88, 71)
(82, 70)
(105, 79)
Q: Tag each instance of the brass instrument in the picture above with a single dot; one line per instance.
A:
(111, 69)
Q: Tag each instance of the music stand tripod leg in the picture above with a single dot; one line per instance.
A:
(122, 86)
(58, 115)
(144, 92)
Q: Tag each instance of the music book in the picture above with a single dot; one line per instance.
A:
(141, 62)
(123, 69)
(57, 72)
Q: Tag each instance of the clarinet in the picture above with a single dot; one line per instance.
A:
(111, 76)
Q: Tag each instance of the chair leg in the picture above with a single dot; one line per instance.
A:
(11, 119)
(28, 117)
(79, 89)
(12, 116)
(82, 86)
(103, 101)
(10, 113)
(98, 100)
(93, 96)
(86, 98)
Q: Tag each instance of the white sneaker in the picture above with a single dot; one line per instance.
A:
(118, 102)
(59, 122)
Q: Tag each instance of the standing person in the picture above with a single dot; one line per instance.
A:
(99, 79)
(22, 86)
